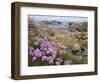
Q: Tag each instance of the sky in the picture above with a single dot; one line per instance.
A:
(58, 18)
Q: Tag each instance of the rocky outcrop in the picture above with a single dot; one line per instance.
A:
(77, 27)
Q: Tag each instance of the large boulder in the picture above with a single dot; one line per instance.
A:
(76, 47)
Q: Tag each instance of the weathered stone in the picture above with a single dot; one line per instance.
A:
(76, 47)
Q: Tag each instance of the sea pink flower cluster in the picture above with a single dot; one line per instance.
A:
(48, 52)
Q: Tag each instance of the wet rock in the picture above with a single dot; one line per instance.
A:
(78, 51)
(76, 47)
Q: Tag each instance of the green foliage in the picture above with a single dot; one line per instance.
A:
(75, 59)
(82, 37)
(31, 42)
(37, 62)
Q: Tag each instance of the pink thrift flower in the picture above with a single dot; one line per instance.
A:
(45, 38)
(53, 56)
(57, 63)
(61, 46)
(47, 52)
(37, 53)
(45, 58)
(30, 50)
(67, 62)
(40, 40)
(70, 61)
(53, 50)
(50, 57)
(51, 61)
(43, 53)
(34, 58)
(59, 59)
